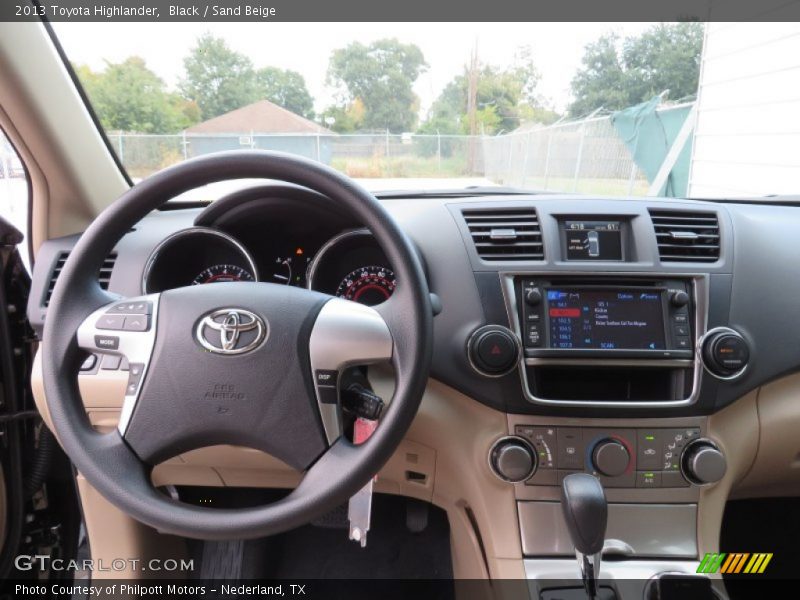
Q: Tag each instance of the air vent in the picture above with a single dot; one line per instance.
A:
(686, 236)
(103, 277)
(505, 234)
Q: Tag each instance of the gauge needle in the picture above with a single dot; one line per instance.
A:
(281, 277)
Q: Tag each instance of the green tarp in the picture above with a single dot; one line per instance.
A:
(649, 134)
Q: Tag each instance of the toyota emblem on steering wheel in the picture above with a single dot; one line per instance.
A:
(231, 331)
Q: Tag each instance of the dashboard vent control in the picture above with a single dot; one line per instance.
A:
(686, 236)
(505, 234)
(104, 276)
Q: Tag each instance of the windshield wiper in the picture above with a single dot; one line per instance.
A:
(467, 192)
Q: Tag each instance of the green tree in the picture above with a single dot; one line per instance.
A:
(381, 75)
(128, 96)
(285, 88)
(218, 78)
(505, 98)
(619, 73)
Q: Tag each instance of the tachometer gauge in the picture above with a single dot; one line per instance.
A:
(219, 273)
(368, 285)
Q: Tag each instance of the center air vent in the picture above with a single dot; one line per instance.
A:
(505, 234)
(686, 236)
(104, 276)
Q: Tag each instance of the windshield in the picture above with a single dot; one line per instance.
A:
(593, 108)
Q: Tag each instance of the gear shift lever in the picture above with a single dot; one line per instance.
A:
(586, 512)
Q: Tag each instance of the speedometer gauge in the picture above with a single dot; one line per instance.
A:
(368, 285)
(219, 273)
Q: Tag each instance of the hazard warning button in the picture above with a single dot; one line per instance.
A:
(494, 350)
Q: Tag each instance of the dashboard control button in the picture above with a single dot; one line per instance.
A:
(106, 342)
(649, 449)
(512, 459)
(570, 449)
(679, 298)
(610, 458)
(112, 322)
(703, 463)
(673, 479)
(683, 343)
(493, 350)
(725, 353)
(648, 479)
(682, 330)
(680, 318)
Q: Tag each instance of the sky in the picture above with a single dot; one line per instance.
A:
(306, 48)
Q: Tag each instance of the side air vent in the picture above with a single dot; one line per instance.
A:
(104, 276)
(505, 234)
(686, 236)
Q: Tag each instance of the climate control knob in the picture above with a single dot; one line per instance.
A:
(703, 463)
(512, 459)
(611, 458)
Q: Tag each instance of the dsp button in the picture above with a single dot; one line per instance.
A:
(493, 350)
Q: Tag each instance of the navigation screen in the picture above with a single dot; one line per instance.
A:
(593, 240)
(605, 319)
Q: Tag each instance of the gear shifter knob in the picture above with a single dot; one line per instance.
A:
(585, 511)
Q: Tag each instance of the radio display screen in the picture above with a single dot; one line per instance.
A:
(606, 319)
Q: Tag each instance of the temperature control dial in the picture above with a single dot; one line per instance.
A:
(512, 459)
(611, 458)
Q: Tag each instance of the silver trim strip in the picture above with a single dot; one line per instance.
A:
(192, 231)
(313, 266)
(345, 334)
(136, 346)
(700, 293)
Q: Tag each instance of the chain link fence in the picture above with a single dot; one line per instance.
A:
(583, 156)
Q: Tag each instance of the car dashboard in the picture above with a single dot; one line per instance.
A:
(573, 334)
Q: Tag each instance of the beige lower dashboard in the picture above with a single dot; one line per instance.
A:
(443, 460)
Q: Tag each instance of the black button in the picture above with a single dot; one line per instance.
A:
(137, 323)
(114, 322)
(681, 330)
(683, 343)
(533, 335)
(106, 342)
(495, 351)
(681, 318)
(326, 378)
(327, 395)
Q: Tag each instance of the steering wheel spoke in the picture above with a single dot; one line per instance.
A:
(345, 333)
(125, 328)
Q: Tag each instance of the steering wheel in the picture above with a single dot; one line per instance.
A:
(248, 364)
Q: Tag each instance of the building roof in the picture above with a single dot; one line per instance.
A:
(259, 117)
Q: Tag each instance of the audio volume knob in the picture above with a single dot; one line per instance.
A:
(703, 463)
(611, 458)
(679, 298)
(512, 459)
(533, 297)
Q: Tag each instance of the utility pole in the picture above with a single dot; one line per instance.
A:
(472, 105)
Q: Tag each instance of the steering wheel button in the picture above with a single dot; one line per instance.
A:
(326, 378)
(114, 322)
(89, 363)
(136, 323)
(106, 342)
(132, 308)
(110, 362)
